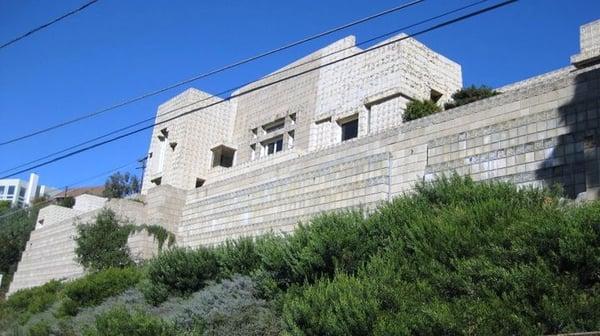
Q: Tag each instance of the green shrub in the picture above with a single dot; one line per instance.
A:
(120, 322)
(179, 272)
(346, 306)
(420, 108)
(103, 244)
(42, 328)
(470, 258)
(470, 94)
(27, 302)
(94, 288)
(238, 257)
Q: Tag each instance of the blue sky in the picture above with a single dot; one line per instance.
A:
(115, 50)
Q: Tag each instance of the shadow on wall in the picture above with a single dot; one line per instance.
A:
(574, 162)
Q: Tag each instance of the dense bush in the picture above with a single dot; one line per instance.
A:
(473, 259)
(470, 94)
(92, 289)
(178, 272)
(27, 302)
(455, 257)
(420, 108)
(120, 322)
(103, 244)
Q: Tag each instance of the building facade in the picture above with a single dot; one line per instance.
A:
(22, 193)
(300, 142)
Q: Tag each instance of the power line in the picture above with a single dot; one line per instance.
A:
(210, 73)
(87, 179)
(435, 27)
(117, 131)
(35, 30)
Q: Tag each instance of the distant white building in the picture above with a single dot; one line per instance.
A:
(22, 193)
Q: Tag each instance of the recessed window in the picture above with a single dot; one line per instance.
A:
(22, 192)
(164, 132)
(273, 146)
(1, 190)
(11, 190)
(223, 156)
(199, 182)
(274, 126)
(349, 129)
(435, 96)
(293, 118)
(254, 133)
(173, 145)
(157, 181)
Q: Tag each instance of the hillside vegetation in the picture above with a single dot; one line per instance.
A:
(456, 257)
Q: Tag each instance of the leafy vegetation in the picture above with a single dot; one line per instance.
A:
(119, 185)
(420, 108)
(103, 244)
(94, 288)
(470, 94)
(179, 272)
(15, 228)
(455, 257)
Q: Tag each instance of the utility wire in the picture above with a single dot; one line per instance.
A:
(87, 179)
(117, 131)
(435, 27)
(35, 30)
(210, 73)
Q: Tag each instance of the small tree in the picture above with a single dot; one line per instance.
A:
(119, 185)
(103, 244)
(470, 94)
(420, 108)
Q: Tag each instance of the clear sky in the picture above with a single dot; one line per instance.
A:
(118, 49)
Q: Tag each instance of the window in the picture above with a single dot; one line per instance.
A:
(1, 190)
(162, 137)
(254, 133)
(293, 118)
(435, 95)
(349, 129)
(11, 190)
(274, 126)
(273, 146)
(199, 182)
(223, 156)
(157, 181)
(22, 192)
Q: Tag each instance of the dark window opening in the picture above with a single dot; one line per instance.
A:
(11, 190)
(274, 146)
(274, 126)
(1, 190)
(199, 182)
(349, 129)
(156, 181)
(435, 96)
(22, 192)
(223, 156)
(173, 145)
(165, 132)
